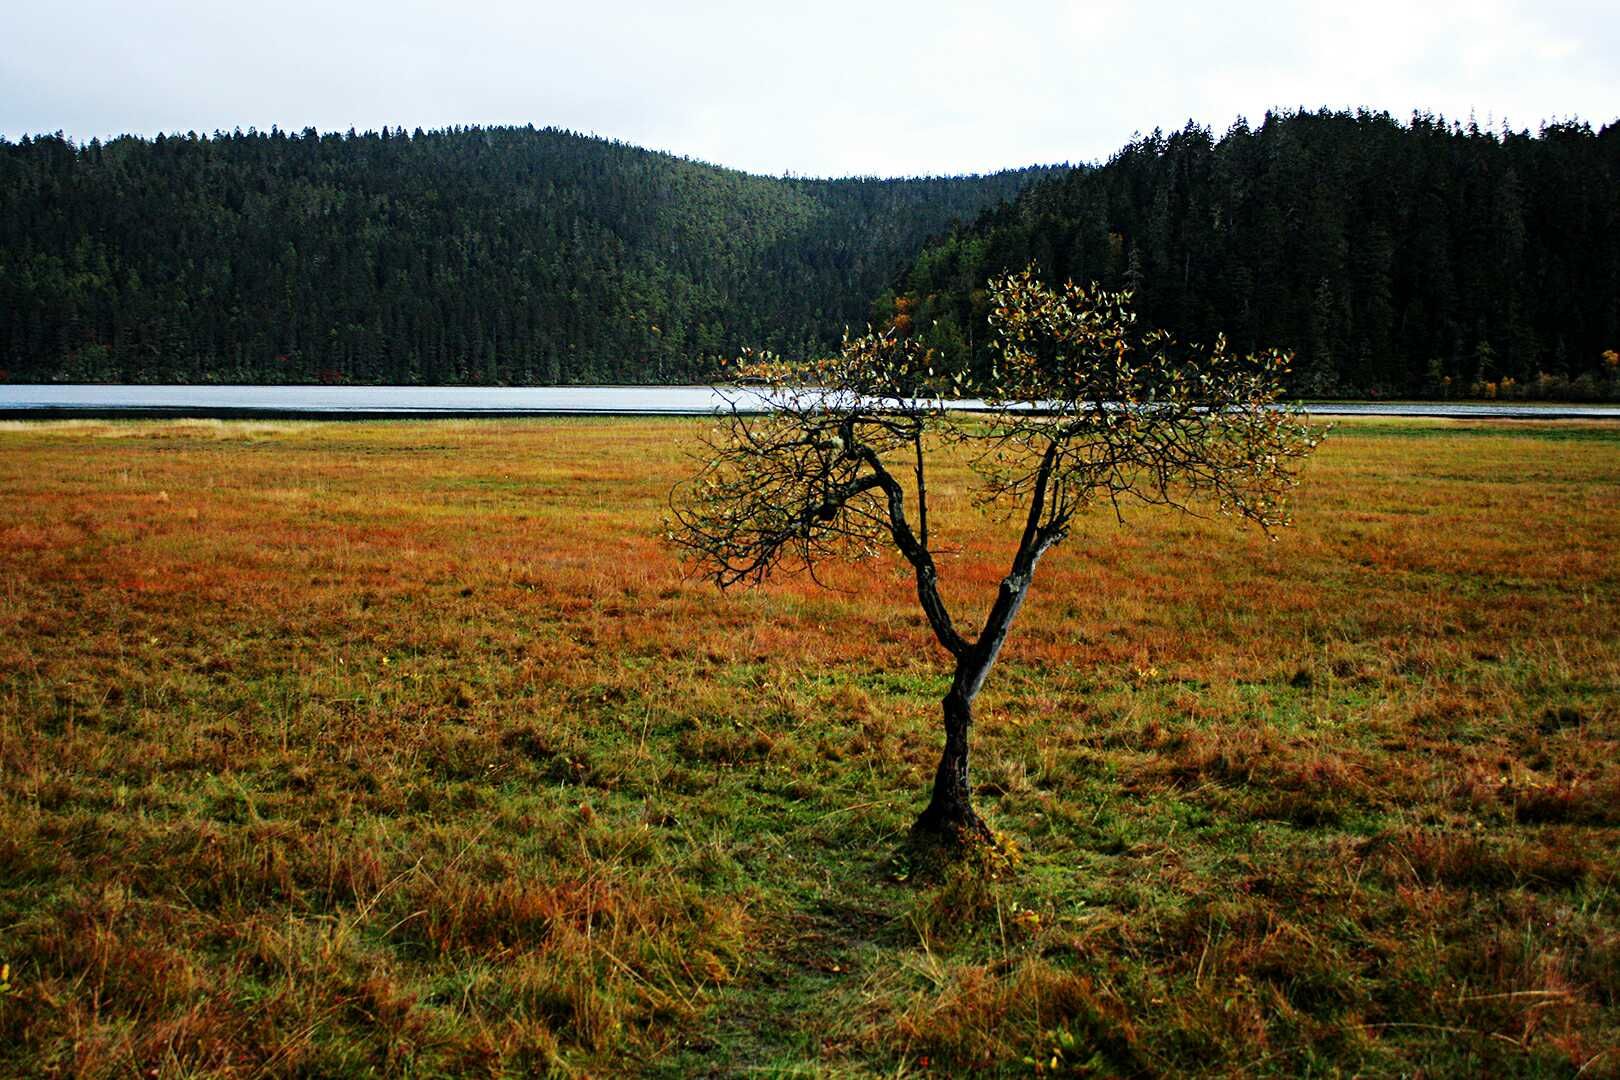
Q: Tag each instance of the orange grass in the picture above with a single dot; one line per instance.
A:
(404, 747)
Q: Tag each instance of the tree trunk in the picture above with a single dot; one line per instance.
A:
(950, 816)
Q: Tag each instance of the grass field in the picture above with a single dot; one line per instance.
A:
(404, 748)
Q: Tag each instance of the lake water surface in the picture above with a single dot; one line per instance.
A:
(58, 400)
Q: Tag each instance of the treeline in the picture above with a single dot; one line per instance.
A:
(1431, 258)
(477, 255)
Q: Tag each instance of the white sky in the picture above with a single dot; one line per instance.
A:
(814, 88)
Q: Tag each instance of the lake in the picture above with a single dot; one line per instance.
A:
(335, 402)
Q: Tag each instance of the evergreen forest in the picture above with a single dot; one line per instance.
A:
(475, 255)
(1424, 258)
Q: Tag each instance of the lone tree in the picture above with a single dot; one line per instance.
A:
(831, 458)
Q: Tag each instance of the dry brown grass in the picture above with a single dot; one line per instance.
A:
(404, 747)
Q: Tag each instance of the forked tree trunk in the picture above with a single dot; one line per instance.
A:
(950, 815)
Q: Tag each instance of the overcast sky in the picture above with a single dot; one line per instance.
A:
(817, 87)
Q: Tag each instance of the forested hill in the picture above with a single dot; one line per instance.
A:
(468, 255)
(1424, 258)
